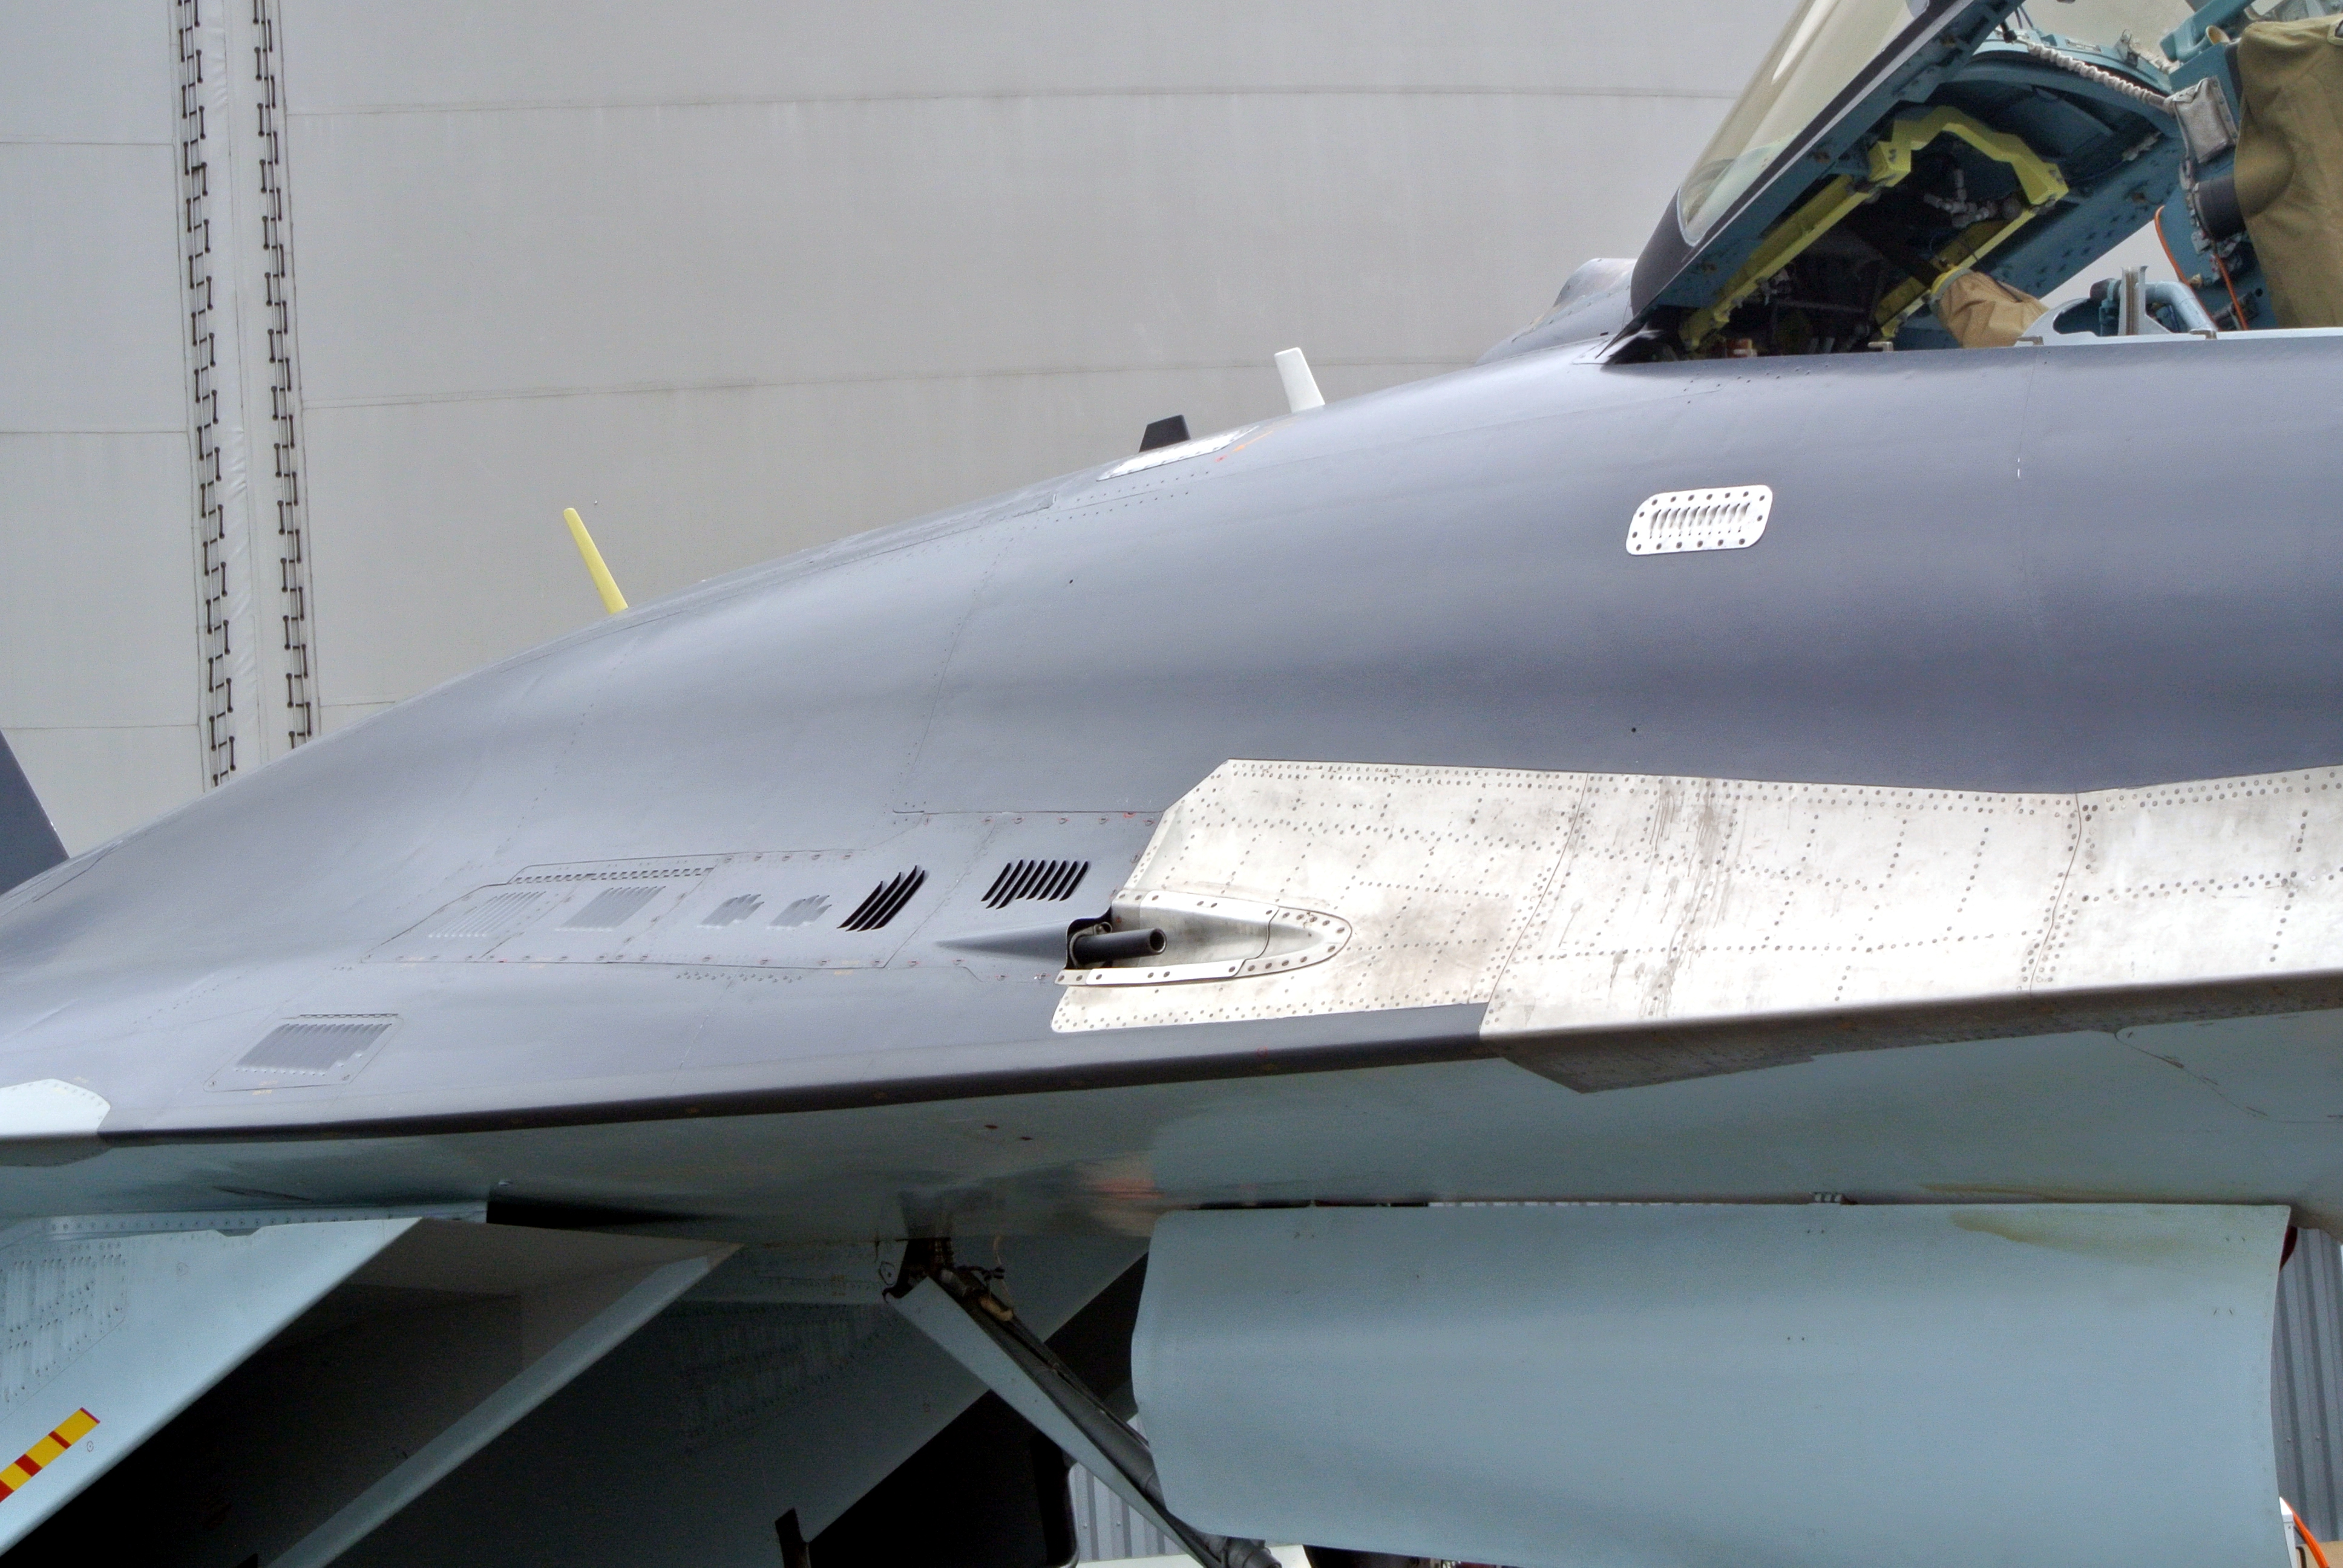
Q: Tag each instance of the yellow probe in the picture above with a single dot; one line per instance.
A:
(612, 599)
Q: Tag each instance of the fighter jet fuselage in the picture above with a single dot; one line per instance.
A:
(1981, 573)
(1716, 940)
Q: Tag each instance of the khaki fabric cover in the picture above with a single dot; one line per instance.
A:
(1983, 312)
(2290, 165)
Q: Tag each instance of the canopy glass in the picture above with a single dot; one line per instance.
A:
(1827, 45)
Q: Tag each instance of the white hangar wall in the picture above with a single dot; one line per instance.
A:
(733, 277)
(98, 602)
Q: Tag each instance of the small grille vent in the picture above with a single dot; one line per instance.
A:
(610, 909)
(634, 873)
(1675, 521)
(803, 912)
(313, 1046)
(1043, 879)
(732, 911)
(491, 917)
(885, 902)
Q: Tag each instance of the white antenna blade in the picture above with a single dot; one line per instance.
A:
(1301, 386)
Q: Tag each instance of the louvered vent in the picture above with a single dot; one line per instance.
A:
(1679, 520)
(313, 1047)
(732, 911)
(610, 909)
(490, 917)
(1042, 880)
(885, 902)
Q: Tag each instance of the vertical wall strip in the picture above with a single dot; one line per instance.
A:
(258, 678)
(2307, 1382)
(299, 717)
(205, 368)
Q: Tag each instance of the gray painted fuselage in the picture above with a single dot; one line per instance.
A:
(2015, 571)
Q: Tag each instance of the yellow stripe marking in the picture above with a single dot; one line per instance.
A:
(46, 1452)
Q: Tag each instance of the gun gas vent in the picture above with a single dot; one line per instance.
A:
(1047, 880)
(885, 901)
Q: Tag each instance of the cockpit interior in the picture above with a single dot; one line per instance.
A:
(1907, 174)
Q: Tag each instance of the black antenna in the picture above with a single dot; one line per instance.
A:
(1165, 433)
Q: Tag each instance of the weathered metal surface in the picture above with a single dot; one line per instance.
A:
(1580, 902)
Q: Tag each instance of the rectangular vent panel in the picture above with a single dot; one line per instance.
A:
(313, 1047)
(1047, 880)
(1675, 522)
(627, 872)
(885, 902)
(490, 918)
(610, 909)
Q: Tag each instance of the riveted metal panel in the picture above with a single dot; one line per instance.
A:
(1569, 900)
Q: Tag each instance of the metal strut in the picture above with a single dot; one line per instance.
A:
(955, 1308)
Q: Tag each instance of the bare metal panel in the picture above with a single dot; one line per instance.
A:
(1576, 901)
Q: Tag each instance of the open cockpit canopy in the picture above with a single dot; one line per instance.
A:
(1885, 148)
(1826, 48)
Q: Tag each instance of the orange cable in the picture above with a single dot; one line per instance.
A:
(2308, 1539)
(2238, 309)
(2173, 260)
